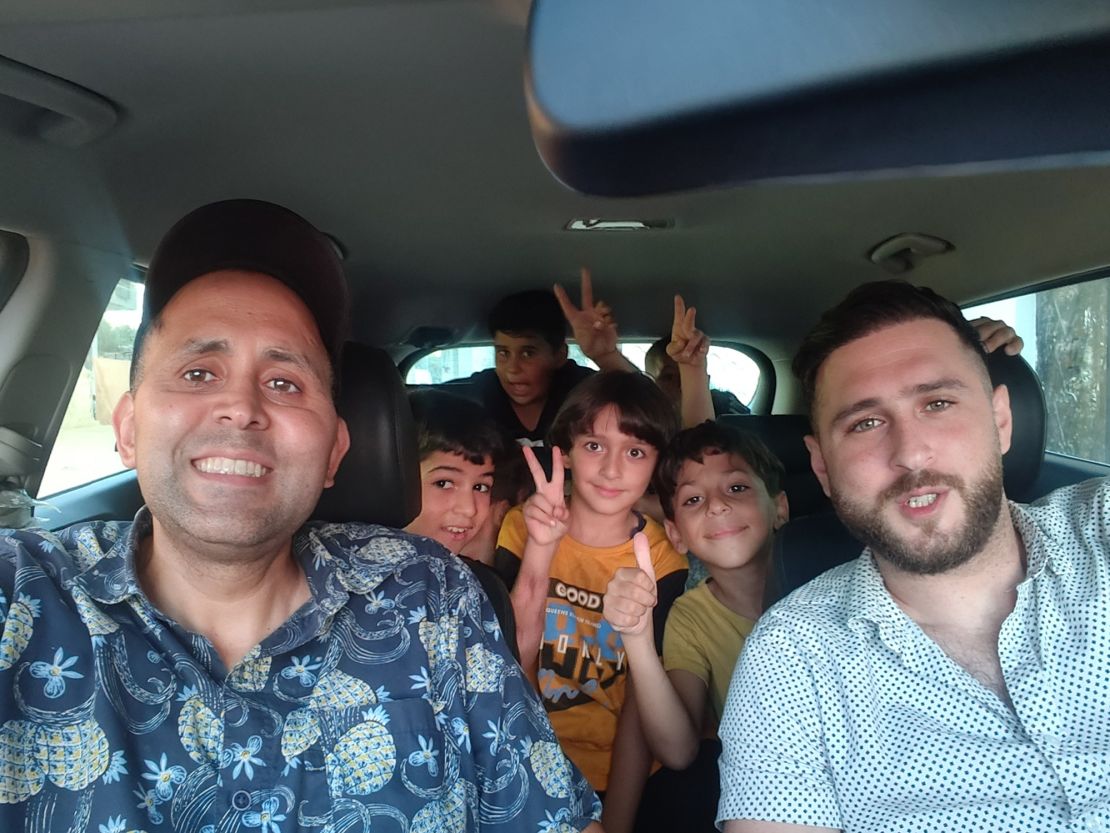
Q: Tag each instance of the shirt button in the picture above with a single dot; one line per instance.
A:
(1096, 826)
(241, 800)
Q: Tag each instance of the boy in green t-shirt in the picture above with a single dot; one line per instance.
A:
(721, 493)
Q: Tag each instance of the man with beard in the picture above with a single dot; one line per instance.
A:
(219, 664)
(953, 677)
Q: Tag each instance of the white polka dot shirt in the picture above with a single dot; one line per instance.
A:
(842, 713)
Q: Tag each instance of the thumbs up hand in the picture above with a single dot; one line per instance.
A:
(630, 596)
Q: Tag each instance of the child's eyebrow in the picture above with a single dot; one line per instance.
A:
(444, 467)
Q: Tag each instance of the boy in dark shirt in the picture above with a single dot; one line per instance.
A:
(533, 375)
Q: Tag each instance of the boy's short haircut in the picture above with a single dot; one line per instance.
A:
(656, 355)
(450, 423)
(714, 438)
(645, 411)
(871, 307)
(532, 312)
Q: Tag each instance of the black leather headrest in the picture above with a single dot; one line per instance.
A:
(379, 479)
(808, 546)
(784, 435)
(1022, 463)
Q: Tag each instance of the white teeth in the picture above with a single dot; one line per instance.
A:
(921, 500)
(225, 465)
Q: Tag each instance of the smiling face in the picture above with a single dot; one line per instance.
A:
(722, 511)
(231, 428)
(454, 498)
(524, 366)
(611, 469)
(909, 443)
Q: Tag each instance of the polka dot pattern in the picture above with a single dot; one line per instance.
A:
(842, 713)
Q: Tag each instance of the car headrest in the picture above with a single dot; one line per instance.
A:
(379, 479)
(808, 546)
(1022, 463)
(784, 435)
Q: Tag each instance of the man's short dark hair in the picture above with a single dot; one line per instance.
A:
(645, 411)
(532, 312)
(870, 307)
(711, 438)
(450, 423)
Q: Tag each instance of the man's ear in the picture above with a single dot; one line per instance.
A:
(674, 535)
(782, 510)
(338, 451)
(1003, 416)
(817, 462)
(123, 424)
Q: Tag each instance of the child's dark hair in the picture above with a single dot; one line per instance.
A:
(870, 307)
(714, 438)
(534, 311)
(645, 411)
(446, 422)
(656, 355)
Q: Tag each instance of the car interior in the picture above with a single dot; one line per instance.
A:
(759, 158)
(431, 141)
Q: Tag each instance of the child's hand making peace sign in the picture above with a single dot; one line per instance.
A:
(545, 512)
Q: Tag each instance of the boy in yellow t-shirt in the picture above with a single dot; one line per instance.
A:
(721, 492)
(560, 554)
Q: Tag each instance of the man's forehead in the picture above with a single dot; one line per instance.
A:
(892, 358)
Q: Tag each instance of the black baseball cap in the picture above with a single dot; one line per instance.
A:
(254, 236)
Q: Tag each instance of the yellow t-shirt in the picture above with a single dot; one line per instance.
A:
(704, 637)
(582, 668)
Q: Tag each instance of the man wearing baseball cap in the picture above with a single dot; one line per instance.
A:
(219, 664)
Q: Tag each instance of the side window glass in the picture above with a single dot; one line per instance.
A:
(729, 369)
(1065, 333)
(85, 449)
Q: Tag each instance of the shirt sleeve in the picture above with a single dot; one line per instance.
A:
(682, 644)
(510, 546)
(520, 774)
(773, 766)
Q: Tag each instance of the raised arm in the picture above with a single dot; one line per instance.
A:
(593, 327)
(670, 718)
(545, 516)
(689, 348)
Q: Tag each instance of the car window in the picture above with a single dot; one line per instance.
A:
(85, 449)
(729, 369)
(1065, 333)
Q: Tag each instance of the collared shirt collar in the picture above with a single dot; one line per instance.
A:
(332, 573)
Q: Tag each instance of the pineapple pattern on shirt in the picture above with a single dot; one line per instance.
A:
(388, 702)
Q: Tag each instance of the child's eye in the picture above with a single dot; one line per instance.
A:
(591, 445)
(442, 484)
(863, 425)
(283, 386)
(482, 487)
(527, 353)
(693, 500)
(737, 488)
(197, 375)
(636, 453)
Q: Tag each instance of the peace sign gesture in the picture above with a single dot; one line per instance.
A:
(545, 512)
(593, 325)
(688, 344)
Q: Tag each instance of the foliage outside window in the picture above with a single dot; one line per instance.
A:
(85, 449)
(1065, 333)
